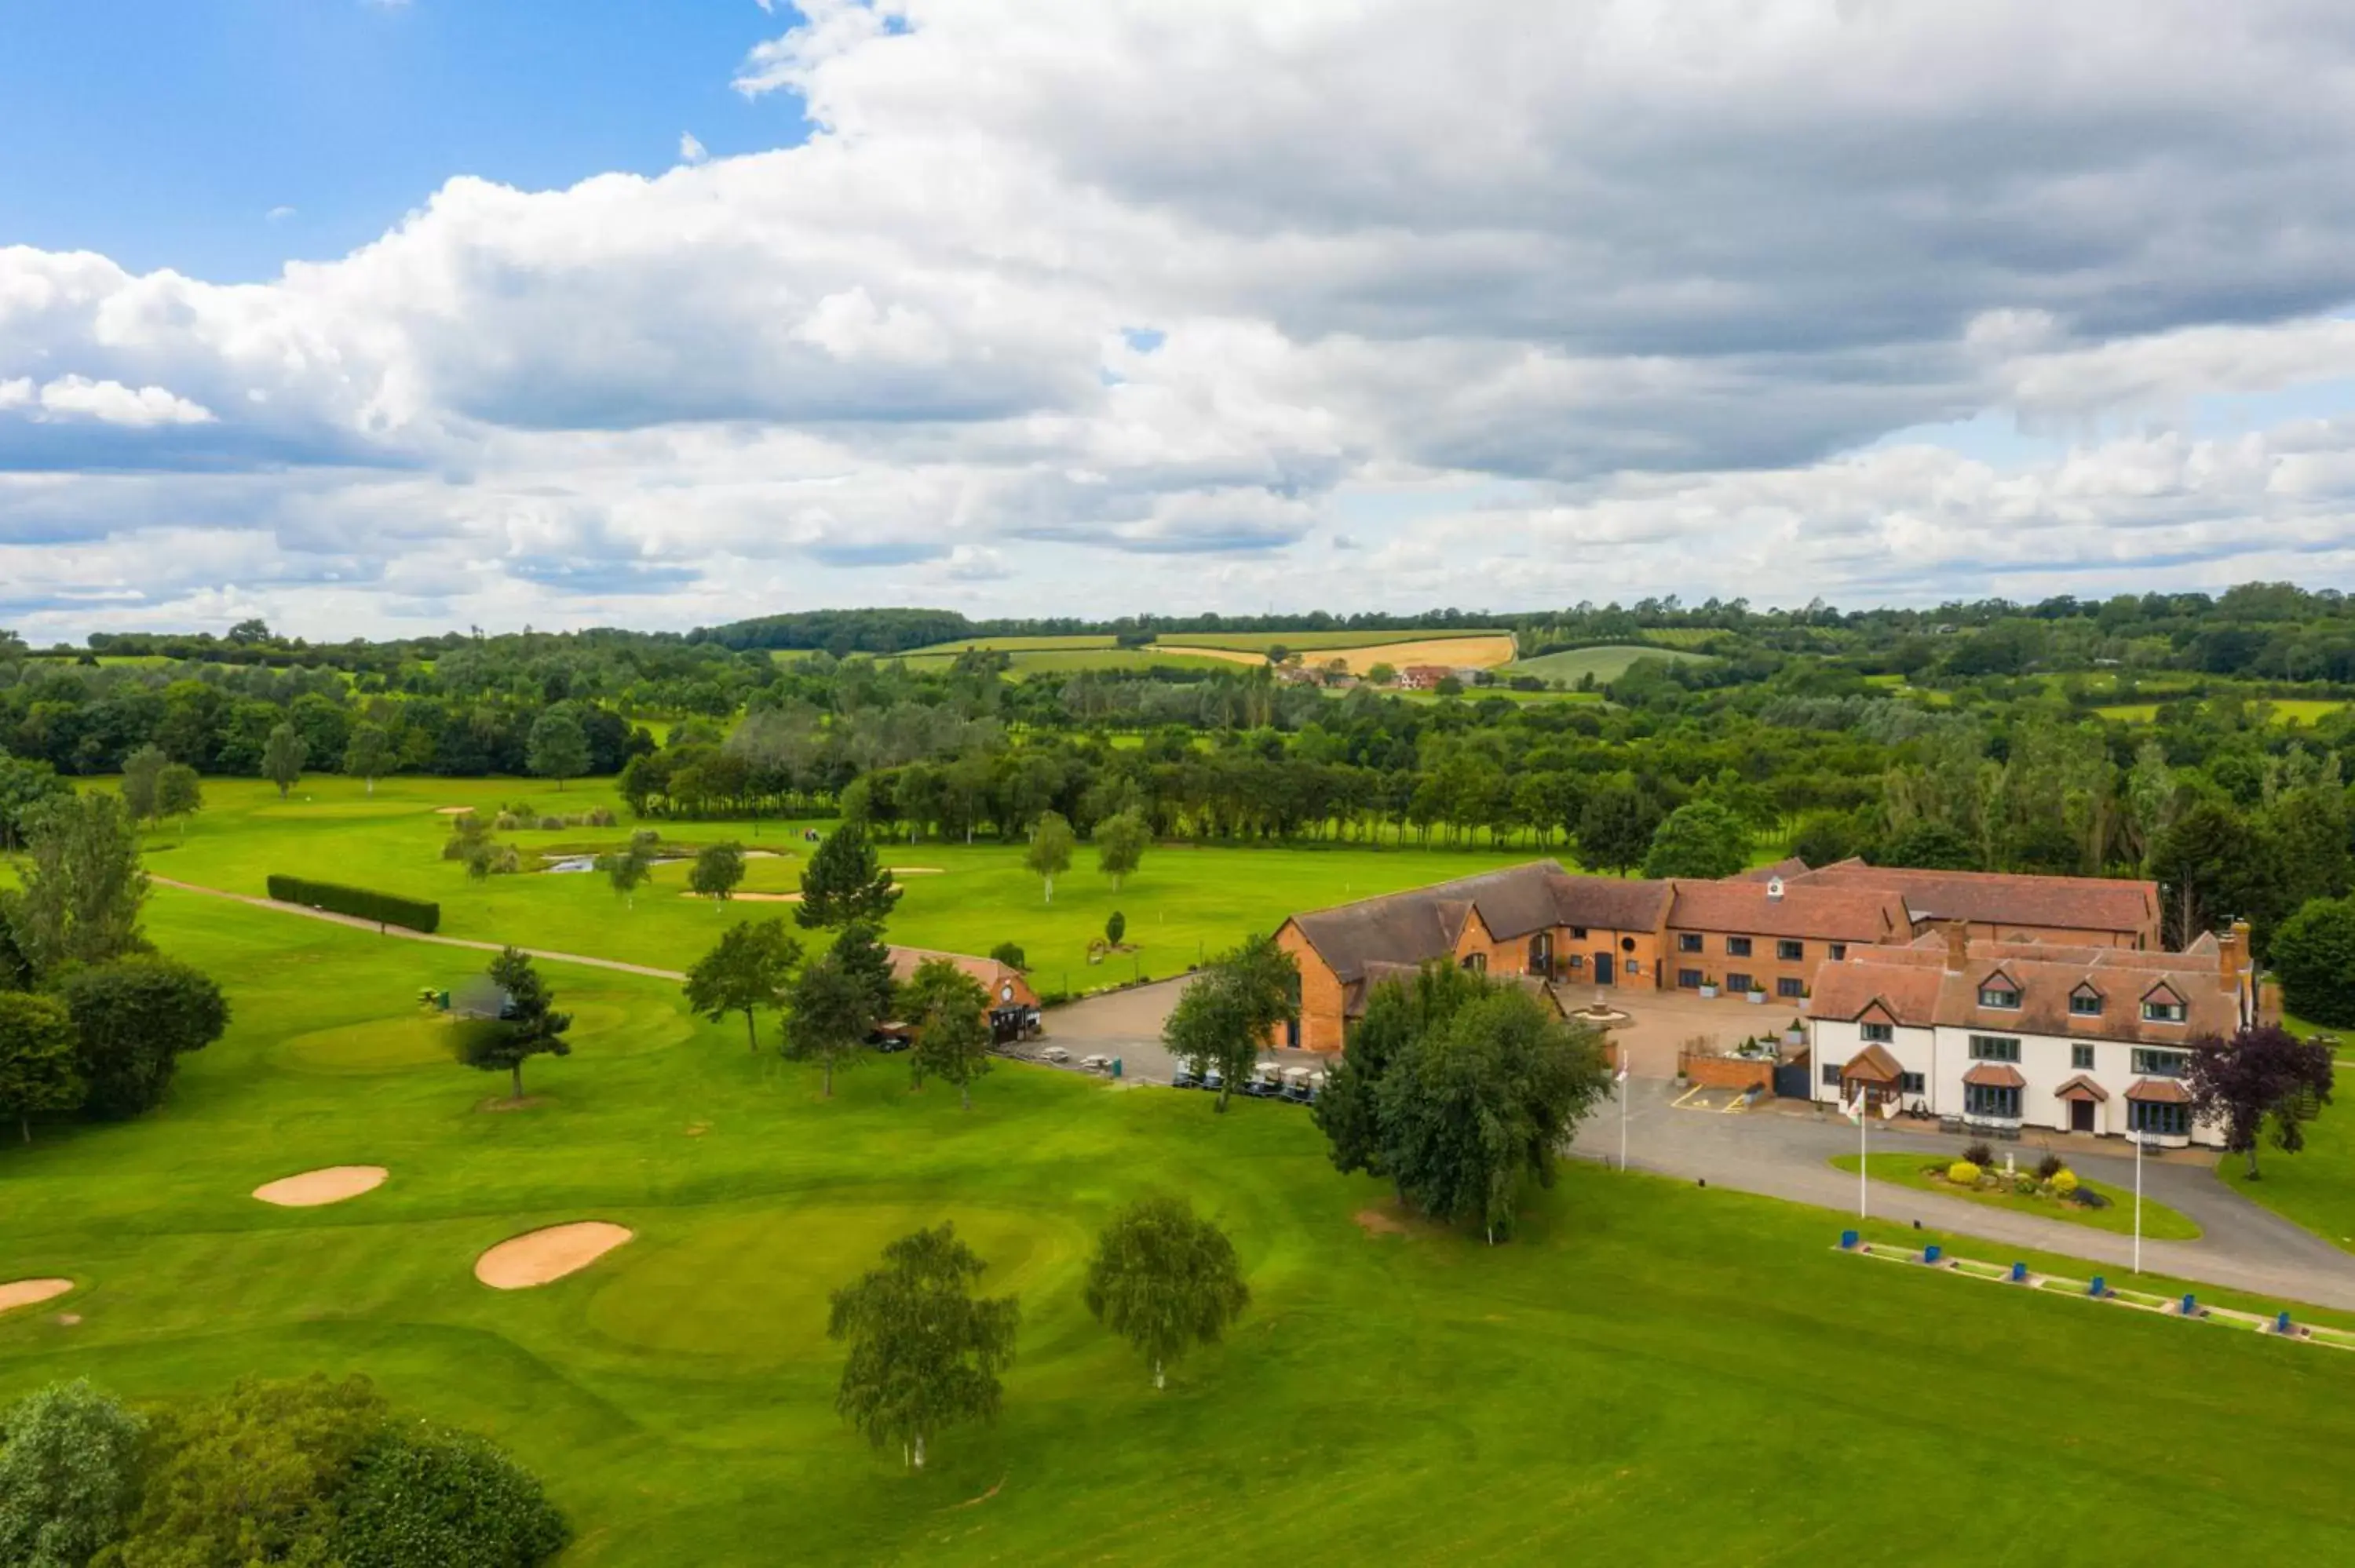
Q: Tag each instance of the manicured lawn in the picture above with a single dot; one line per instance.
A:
(1605, 664)
(1652, 1372)
(2159, 1223)
(2315, 1186)
(1184, 902)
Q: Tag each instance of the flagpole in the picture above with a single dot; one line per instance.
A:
(1863, 1160)
(2137, 1245)
(1623, 1108)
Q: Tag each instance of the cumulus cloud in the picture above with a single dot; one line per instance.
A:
(1654, 283)
(691, 151)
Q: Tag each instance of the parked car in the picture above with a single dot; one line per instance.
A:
(889, 1039)
(1183, 1077)
(1213, 1079)
(1054, 1054)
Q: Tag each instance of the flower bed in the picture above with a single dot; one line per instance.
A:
(2061, 1196)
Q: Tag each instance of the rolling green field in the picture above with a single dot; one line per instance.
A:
(1182, 902)
(1607, 663)
(1649, 1373)
(2286, 710)
(1073, 661)
(2159, 1223)
(1310, 641)
(1008, 645)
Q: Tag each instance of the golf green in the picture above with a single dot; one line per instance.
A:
(1648, 1372)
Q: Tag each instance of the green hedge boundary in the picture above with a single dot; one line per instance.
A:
(384, 908)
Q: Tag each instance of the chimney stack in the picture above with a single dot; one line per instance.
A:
(2228, 957)
(1958, 946)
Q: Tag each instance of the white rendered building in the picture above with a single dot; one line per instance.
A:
(2010, 1035)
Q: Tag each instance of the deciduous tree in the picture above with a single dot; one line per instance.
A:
(1121, 840)
(844, 882)
(2313, 955)
(718, 869)
(370, 754)
(283, 756)
(1164, 1280)
(1225, 1017)
(831, 1013)
(1049, 854)
(179, 793)
(68, 1475)
(626, 869)
(141, 771)
(2255, 1079)
(950, 1011)
(36, 1061)
(1478, 1105)
(749, 969)
(133, 1019)
(1700, 839)
(1614, 827)
(558, 746)
(924, 1352)
(82, 887)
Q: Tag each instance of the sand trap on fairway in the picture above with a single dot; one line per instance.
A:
(454, 810)
(754, 898)
(313, 1188)
(27, 1292)
(537, 1258)
(917, 869)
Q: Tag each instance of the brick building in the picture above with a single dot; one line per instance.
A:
(1770, 930)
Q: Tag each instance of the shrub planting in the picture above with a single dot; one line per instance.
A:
(366, 904)
(2049, 1166)
(1964, 1173)
(2064, 1181)
(1980, 1155)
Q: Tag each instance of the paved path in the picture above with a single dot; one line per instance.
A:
(1787, 1154)
(374, 929)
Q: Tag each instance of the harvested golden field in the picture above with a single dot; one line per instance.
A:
(1483, 653)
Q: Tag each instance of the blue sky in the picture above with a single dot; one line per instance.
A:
(163, 132)
(1105, 306)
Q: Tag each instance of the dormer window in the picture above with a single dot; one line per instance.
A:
(1998, 992)
(2162, 1009)
(2085, 1002)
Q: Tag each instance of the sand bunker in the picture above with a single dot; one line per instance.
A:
(754, 898)
(313, 1188)
(917, 869)
(536, 1258)
(454, 810)
(30, 1292)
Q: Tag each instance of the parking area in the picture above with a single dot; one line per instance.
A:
(1662, 1023)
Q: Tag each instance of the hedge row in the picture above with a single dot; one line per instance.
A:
(384, 908)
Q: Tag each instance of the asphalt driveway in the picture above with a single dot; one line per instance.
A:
(1786, 1152)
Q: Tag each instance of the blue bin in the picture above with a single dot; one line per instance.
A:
(1930, 1254)
(2281, 1324)
(2098, 1287)
(2020, 1274)
(2190, 1305)
(1847, 1241)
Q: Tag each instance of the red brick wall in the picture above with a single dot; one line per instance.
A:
(1321, 1023)
(1762, 966)
(1726, 1072)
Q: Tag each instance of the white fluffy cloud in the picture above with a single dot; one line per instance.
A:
(1522, 304)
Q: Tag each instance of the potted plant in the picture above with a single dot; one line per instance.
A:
(1797, 1034)
(1708, 988)
(1757, 994)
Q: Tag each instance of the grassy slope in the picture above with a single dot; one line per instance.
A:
(1653, 1372)
(2159, 1223)
(1307, 641)
(2315, 1186)
(1183, 901)
(1604, 664)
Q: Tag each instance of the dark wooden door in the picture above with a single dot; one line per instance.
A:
(2081, 1115)
(1602, 968)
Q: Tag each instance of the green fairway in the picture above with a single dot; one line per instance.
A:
(2315, 1186)
(1185, 901)
(2159, 1223)
(1605, 664)
(1650, 1372)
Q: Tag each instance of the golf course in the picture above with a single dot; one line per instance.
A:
(1648, 1371)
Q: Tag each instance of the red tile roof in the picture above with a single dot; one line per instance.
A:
(1826, 914)
(2003, 898)
(995, 977)
(1914, 987)
(1994, 1076)
(2159, 1091)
